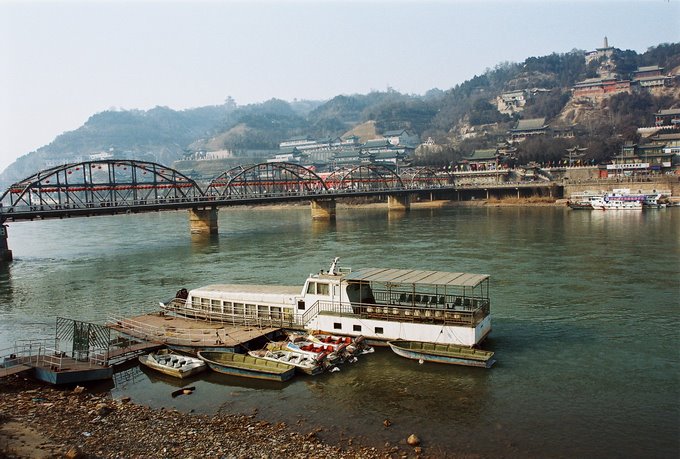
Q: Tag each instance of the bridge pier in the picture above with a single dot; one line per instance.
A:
(5, 252)
(399, 202)
(203, 221)
(323, 209)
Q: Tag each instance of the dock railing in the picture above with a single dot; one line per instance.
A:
(164, 335)
(40, 353)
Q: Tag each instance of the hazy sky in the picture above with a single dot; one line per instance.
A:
(63, 61)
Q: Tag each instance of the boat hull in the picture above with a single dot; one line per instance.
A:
(191, 370)
(452, 355)
(301, 362)
(247, 366)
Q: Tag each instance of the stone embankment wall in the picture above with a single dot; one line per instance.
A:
(579, 180)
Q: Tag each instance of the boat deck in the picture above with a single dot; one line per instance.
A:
(184, 332)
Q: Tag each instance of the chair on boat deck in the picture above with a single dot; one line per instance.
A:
(418, 299)
(402, 298)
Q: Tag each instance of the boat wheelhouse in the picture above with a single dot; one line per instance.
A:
(378, 303)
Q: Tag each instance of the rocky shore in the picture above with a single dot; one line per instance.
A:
(38, 421)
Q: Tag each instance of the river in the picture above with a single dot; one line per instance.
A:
(585, 309)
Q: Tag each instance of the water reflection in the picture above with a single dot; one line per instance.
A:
(205, 243)
(320, 227)
(5, 283)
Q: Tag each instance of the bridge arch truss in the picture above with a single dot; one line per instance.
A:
(369, 177)
(100, 184)
(266, 180)
(426, 177)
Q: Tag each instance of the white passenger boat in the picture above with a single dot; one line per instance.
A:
(377, 303)
(618, 199)
(583, 201)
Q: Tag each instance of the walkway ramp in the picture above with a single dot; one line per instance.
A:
(13, 370)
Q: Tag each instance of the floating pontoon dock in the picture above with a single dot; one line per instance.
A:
(79, 352)
(192, 335)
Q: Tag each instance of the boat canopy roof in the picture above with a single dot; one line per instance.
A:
(414, 276)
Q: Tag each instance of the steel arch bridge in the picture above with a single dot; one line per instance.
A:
(102, 184)
(426, 177)
(369, 177)
(266, 180)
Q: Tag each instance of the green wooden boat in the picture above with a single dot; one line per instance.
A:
(247, 366)
(443, 353)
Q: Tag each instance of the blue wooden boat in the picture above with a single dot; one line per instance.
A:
(247, 366)
(442, 353)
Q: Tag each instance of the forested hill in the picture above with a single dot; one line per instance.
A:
(460, 119)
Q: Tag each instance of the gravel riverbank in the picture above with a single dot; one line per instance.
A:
(38, 421)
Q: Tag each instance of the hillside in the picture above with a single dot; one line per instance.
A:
(459, 120)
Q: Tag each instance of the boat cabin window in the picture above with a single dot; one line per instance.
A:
(301, 305)
(379, 330)
(318, 288)
(356, 328)
(337, 326)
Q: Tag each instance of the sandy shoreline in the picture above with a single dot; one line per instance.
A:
(38, 421)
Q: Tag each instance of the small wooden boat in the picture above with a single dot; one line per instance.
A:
(326, 358)
(172, 364)
(443, 353)
(247, 366)
(305, 363)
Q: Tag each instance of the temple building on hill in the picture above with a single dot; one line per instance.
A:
(651, 77)
(606, 51)
(667, 117)
(600, 87)
(528, 128)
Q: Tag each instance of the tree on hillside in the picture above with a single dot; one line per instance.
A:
(546, 105)
(666, 55)
(568, 67)
(482, 112)
(627, 112)
(413, 114)
(626, 62)
(542, 149)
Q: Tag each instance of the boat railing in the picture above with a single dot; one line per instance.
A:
(280, 318)
(426, 300)
(309, 314)
(469, 314)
